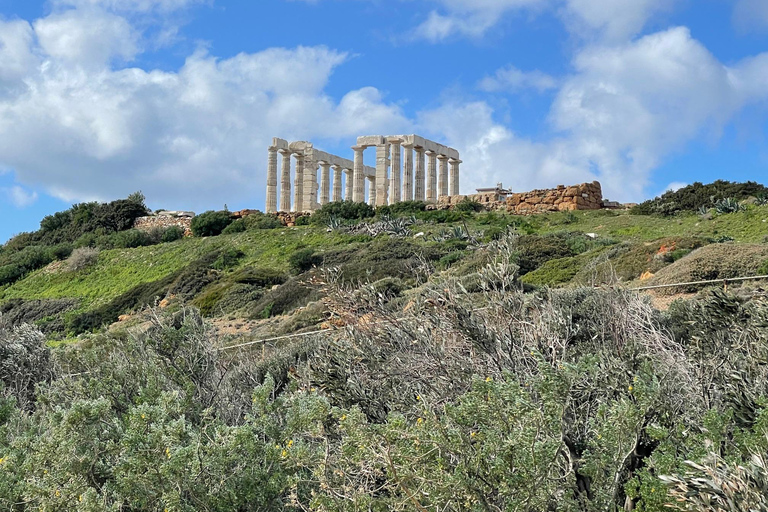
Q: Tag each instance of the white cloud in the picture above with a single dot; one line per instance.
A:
(20, 197)
(86, 37)
(189, 139)
(629, 106)
(622, 112)
(511, 78)
(609, 20)
(492, 153)
(16, 57)
(674, 187)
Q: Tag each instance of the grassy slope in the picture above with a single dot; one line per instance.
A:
(118, 271)
(748, 226)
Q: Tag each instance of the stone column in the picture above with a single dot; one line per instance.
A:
(285, 181)
(454, 187)
(358, 191)
(382, 174)
(310, 183)
(298, 184)
(431, 176)
(325, 182)
(336, 183)
(407, 172)
(394, 181)
(371, 190)
(271, 200)
(442, 176)
(349, 184)
(418, 186)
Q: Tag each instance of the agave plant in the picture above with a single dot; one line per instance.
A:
(728, 205)
(716, 486)
(761, 199)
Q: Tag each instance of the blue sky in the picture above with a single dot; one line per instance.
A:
(179, 98)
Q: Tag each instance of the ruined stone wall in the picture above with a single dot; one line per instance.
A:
(587, 196)
(164, 222)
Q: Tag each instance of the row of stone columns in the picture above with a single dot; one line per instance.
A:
(305, 178)
(416, 174)
(439, 180)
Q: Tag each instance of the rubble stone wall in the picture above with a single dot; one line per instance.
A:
(587, 196)
(164, 222)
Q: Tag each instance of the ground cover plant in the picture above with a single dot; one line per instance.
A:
(578, 399)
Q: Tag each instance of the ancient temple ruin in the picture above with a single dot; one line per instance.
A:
(393, 180)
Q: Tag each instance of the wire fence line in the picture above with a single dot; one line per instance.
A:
(265, 341)
(638, 289)
(698, 283)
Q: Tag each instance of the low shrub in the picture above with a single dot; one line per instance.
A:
(468, 205)
(696, 196)
(304, 220)
(237, 226)
(449, 259)
(131, 239)
(172, 234)
(292, 294)
(304, 259)
(261, 221)
(343, 210)
(137, 297)
(82, 258)
(259, 277)
(401, 209)
(227, 258)
(210, 223)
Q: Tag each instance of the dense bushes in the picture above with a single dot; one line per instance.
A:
(304, 259)
(211, 223)
(342, 210)
(569, 400)
(693, 197)
(62, 231)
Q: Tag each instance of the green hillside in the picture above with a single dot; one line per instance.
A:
(254, 273)
(467, 361)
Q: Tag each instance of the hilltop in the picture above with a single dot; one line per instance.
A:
(465, 360)
(85, 269)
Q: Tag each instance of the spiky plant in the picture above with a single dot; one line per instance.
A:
(728, 205)
(716, 486)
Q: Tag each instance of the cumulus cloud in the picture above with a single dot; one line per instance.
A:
(86, 37)
(623, 110)
(511, 78)
(492, 153)
(188, 139)
(609, 20)
(19, 196)
(16, 57)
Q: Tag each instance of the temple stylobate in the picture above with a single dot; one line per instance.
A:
(400, 173)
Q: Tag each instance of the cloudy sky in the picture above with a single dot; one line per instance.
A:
(179, 98)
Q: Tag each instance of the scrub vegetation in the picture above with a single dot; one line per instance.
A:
(457, 361)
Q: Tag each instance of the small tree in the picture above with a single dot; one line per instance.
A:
(210, 223)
